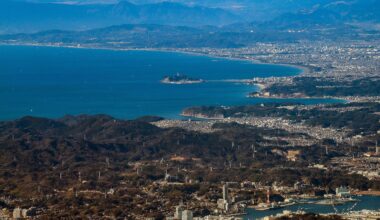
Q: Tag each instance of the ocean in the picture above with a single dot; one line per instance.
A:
(53, 82)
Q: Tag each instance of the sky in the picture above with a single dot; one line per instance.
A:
(76, 1)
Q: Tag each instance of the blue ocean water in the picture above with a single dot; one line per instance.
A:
(53, 82)
(364, 203)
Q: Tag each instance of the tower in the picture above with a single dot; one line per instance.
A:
(268, 196)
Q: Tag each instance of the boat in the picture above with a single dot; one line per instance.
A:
(286, 204)
(336, 201)
(266, 207)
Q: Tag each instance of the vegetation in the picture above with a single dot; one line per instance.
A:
(318, 87)
(100, 166)
(363, 119)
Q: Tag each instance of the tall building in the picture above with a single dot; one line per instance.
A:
(268, 196)
(187, 215)
(178, 212)
(224, 203)
(378, 151)
(225, 192)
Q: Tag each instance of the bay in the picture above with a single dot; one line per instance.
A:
(53, 82)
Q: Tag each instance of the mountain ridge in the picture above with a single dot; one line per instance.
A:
(26, 17)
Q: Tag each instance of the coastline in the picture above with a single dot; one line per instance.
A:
(368, 193)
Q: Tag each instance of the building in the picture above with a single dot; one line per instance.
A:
(178, 212)
(342, 192)
(268, 196)
(293, 155)
(17, 213)
(223, 203)
(266, 94)
(181, 214)
(4, 214)
(187, 215)
(225, 192)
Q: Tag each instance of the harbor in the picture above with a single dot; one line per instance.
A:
(320, 206)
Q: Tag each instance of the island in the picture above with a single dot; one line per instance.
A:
(180, 79)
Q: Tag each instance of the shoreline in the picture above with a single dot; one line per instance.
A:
(300, 97)
(303, 69)
(368, 193)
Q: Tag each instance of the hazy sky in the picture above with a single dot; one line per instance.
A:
(75, 1)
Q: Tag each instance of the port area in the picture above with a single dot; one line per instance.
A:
(326, 200)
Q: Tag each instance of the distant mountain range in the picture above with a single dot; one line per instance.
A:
(164, 36)
(18, 16)
(266, 10)
(334, 13)
(153, 23)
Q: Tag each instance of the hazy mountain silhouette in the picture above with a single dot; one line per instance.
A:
(30, 17)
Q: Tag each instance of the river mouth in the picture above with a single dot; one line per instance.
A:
(53, 82)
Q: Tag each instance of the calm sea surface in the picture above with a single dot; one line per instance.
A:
(365, 203)
(52, 82)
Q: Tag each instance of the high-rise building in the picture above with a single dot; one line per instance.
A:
(225, 192)
(378, 151)
(268, 196)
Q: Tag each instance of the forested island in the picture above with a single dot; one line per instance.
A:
(180, 79)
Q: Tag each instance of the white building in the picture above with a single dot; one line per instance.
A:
(187, 215)
(178, 212)
(342, 192)
(17, 213)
